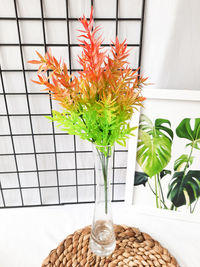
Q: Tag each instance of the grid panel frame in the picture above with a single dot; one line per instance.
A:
(44, 191)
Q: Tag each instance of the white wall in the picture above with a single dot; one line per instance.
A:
(171, 55)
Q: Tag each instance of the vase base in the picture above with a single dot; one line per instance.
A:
(102, 250)
(102, 240)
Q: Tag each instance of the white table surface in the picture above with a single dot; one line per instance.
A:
(27, 235)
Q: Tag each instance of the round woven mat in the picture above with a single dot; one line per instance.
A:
(133, 248)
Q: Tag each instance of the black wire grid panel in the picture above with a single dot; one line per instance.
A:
(39, 165)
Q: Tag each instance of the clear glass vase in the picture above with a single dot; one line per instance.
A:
(102, 239)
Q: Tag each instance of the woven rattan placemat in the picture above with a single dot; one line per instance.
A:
(133, 248)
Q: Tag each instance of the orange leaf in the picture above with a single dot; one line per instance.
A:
(40, 56)
(34, 62)
(35, 82)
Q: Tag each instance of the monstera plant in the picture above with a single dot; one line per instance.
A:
(154, 151)
(153, 155)
(184, 187)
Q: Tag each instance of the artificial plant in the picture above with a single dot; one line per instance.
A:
(99, 102)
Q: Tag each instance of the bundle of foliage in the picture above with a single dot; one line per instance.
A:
(97, 103)
(155, 143)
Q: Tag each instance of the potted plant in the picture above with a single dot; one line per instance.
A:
(97, 105)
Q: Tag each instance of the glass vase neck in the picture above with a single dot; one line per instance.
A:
(103, 157)
(102, 241)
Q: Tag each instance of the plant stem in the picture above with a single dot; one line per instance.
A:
(190, 208)
(195, 205)
(159, 197)
(155, 195)
(156, 189)
(172, 207)
(106, 183)
(104, 164)
(159, 183)
(186, 166)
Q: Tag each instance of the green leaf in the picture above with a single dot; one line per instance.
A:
(159, 125)
(140, 178)
(163, 173)
(154, 145)
(195, 144)
(49, 118)
(186, 187)
(184, 130)
(97, 123)
(180, 163)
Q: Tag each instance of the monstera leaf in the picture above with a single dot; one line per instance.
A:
(140, 178)
(184, 130)
(154, 145)
(164, 172)
(184, 189)
(181, 162)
